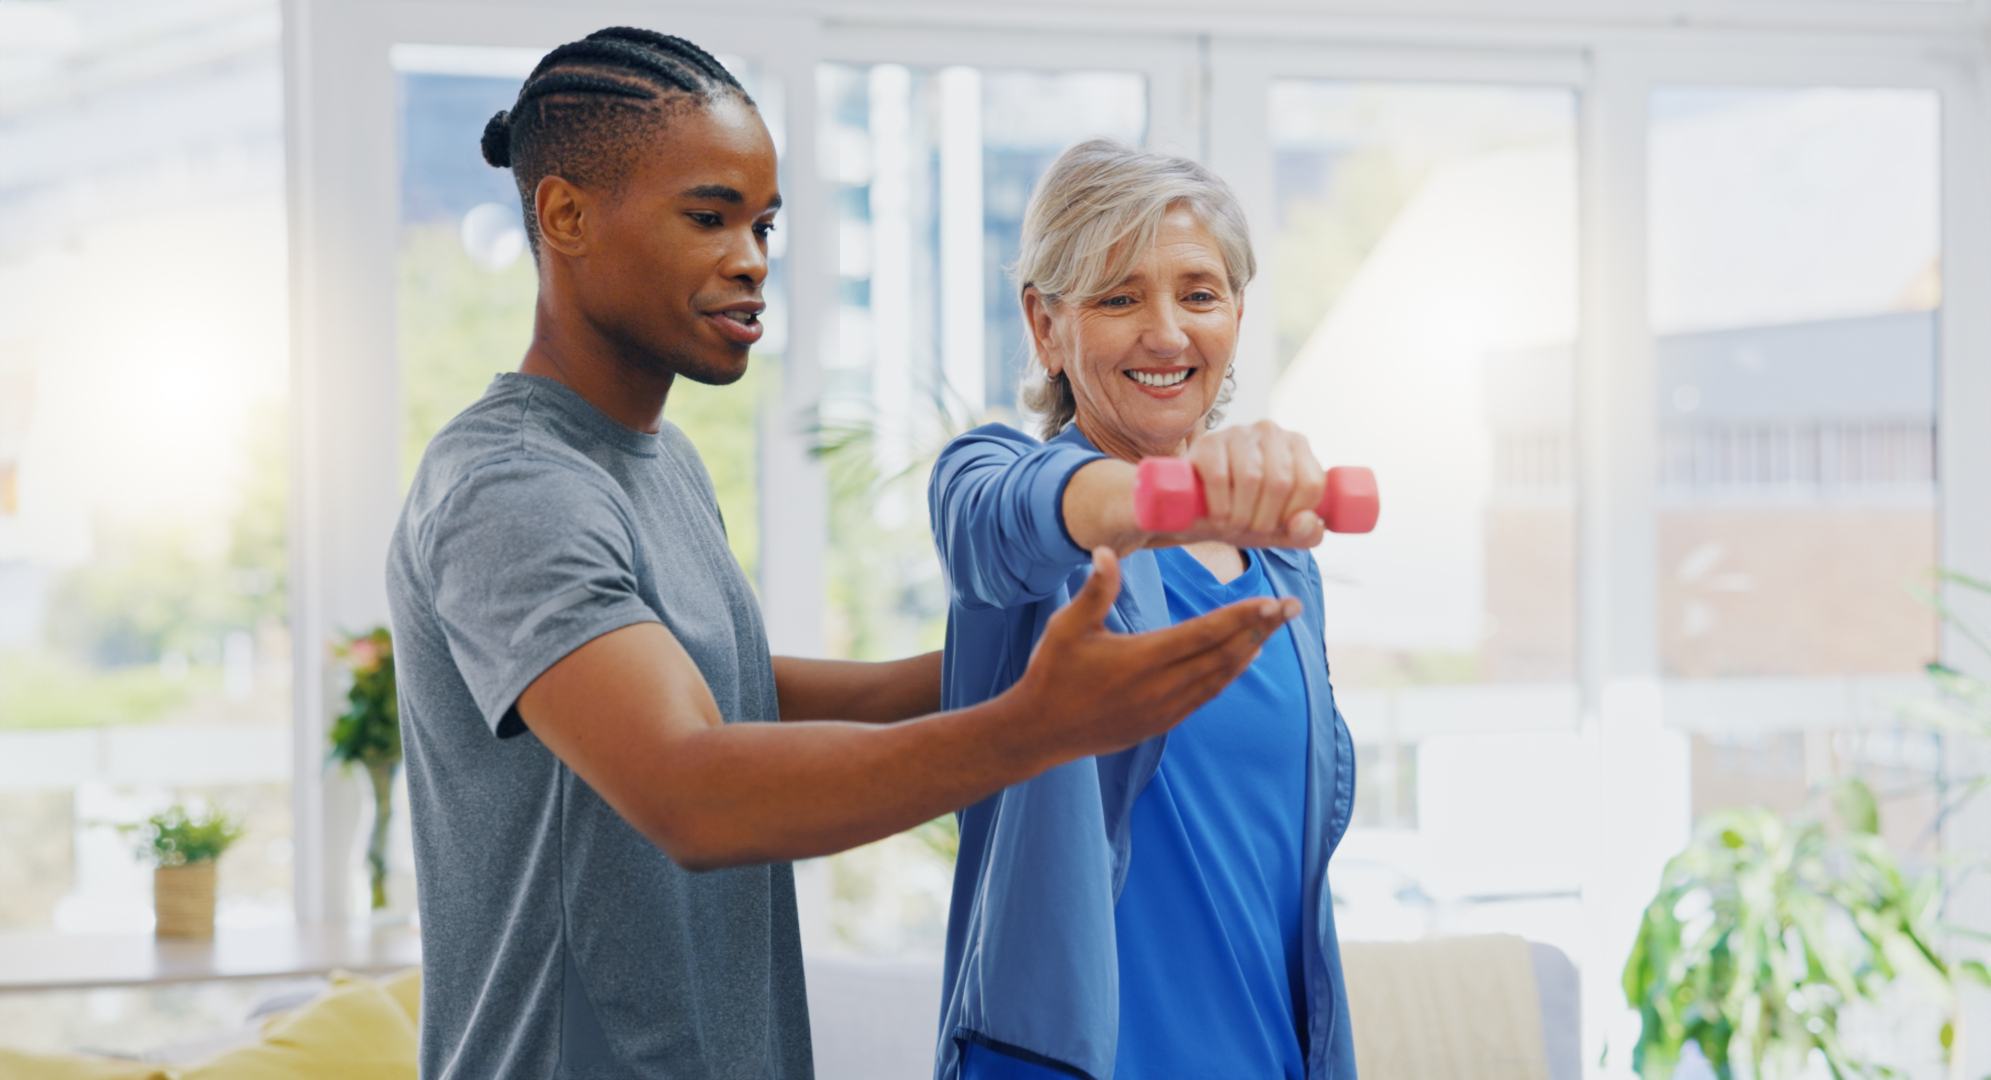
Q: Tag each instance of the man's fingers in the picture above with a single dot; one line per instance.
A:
(1193, 682)
(1255, 619)
(1095, 598)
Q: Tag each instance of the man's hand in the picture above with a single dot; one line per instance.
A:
(630, 713)
(1090, 691)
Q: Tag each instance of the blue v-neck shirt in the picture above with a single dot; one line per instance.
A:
(1208, 923)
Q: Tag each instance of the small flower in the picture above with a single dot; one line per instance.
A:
(363, 656)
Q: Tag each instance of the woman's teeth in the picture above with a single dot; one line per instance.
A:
(1162, 380)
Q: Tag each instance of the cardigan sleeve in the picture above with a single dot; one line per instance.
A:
(997, 504)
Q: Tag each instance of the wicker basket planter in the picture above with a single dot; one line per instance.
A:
(183, 899)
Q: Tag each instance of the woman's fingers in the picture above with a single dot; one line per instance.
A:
(1247, 461)
(1213, 466)
(1309, 479)
(1305, 530)
(1270, 510)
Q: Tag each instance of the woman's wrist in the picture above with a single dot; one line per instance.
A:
(1098, 507)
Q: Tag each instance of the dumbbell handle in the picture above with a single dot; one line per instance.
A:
(1168, 497)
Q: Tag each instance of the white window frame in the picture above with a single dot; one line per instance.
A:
(1207, 72)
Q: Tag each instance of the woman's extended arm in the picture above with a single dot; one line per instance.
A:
(994, 500)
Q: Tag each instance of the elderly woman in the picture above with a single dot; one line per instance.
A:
(1162, 912)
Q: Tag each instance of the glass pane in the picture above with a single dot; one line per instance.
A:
(1425, 271)
(931, 170)
(144, 355)
(467, 282)
(1795, 287)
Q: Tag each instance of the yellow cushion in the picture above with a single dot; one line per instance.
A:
(406, 988)
(354, 1031)
(15, 1065)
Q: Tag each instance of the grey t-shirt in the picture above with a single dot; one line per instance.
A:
(556, 940)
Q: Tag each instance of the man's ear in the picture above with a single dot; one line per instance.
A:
(563, 211)
(1043, 331)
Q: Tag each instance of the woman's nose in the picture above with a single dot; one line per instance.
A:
(1164, 335)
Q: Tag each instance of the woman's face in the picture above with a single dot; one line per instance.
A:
(1147, 360)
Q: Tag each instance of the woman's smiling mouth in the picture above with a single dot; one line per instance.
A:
(1162, 380)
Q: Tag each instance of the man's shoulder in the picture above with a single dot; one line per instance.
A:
(493, 460)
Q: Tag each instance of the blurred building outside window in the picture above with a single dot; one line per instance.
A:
(1795, 292)
(1425, 275)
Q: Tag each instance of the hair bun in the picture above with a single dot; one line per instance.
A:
(497, 141)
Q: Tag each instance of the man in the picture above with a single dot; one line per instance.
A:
(601, 837)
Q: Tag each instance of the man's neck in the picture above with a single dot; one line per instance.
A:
(592, 368)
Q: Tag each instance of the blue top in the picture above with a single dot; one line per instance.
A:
(1209, 922)
(1032, 965)
(1211, 981)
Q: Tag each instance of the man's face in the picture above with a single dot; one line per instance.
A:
(676, 258)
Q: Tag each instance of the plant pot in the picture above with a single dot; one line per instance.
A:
(183, 899)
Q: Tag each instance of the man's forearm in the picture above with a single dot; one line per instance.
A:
(754, 793)
(880, 693)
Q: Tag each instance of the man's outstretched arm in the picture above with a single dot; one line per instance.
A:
(631, 715)
(877, 693)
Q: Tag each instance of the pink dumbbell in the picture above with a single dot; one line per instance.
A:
(1168, 497)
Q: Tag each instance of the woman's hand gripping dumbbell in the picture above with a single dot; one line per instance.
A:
(1168, 497)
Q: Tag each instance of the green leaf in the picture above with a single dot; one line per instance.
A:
(1858, 810)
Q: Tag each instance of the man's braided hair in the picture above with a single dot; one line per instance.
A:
(590, 103)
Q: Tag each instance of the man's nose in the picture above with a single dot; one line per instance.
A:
(745, 261)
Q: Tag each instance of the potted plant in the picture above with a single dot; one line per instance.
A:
(183, 848)
(1764, 929)
(368, 735)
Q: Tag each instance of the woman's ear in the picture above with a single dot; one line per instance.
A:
(1043, 331)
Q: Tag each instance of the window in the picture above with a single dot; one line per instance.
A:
(467, 282)
(144, 622)
(1796, 291)
(1424, 261)
(931, 170)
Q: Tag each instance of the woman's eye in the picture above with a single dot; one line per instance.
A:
(707, 219)
(763, 229)
(1116, 301)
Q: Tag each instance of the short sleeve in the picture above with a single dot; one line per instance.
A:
(528, 560)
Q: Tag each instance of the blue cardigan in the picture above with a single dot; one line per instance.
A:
(1031, 967)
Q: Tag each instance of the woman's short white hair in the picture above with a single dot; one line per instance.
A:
(1094, 215)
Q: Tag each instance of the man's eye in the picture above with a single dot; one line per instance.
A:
(763, 229)
(707, 219)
